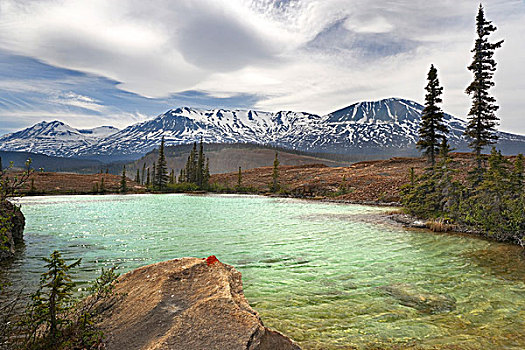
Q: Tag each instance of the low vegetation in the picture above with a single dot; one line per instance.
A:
(10, 186)
(53, 317)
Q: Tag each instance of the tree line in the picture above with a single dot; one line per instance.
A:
(195, 175)
(491, 199)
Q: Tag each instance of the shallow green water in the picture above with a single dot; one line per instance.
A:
(313, 271)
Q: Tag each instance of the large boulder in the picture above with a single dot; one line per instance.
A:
(186, 303)
(12, 223)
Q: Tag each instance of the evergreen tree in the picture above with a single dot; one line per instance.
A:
(154, 176)
(482, 118)
(448, 188)
(197, 168)
(489, 204)
(518, 175)
(1, 166)
(107, 171)
(172, 177)
(433, 194)
(432, 128)
(54, 297)
(148, 179)
(137, 176)
(200, 166)
(193, 164)
(206, 176)
(123, 181)
(182, 177)
(187, 170)
(143, 178)
(102, 189)
(275, 174)
(239, 178)
(162, 168)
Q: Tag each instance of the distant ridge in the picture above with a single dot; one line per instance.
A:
(386, 127)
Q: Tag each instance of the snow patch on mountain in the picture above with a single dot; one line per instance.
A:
(53, 138)
(390, 125)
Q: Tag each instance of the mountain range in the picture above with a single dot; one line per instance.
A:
(388, 126)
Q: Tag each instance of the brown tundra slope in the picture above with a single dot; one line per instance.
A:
(70, 183)
(369, 181)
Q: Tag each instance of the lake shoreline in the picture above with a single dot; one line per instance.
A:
(396, 217)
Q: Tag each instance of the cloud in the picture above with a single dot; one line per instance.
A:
(372, 25)
(310, 55)
(84, 102)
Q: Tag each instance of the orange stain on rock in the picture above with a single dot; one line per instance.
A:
(212, 259)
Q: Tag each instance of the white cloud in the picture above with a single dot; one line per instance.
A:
(71, 98)
(76, 120)
(311, 55)
(372, 25)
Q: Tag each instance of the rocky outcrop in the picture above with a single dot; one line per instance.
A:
(12, 223)
(421, 300)
(186, 303)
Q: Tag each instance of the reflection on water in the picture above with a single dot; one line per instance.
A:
(330, 276)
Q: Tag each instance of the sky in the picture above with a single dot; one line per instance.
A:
(92, 63)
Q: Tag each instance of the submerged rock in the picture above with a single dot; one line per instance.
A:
(186, 303)
(421, 300)
(12, 223)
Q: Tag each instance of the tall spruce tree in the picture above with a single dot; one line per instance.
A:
(432, 129)
(482, 118)
(142, 179)
(187, 170)
(154, 176)
(123, 181)
(191, 165)
(148, 179)
(172, 177)
(200, 165)
(162, 168)
(194, 163)
(518, 176)
(137, 176)
(206, 179)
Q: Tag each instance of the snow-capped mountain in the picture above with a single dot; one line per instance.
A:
(389, 126)
(99, 132)
(53, 138)
(386, 123)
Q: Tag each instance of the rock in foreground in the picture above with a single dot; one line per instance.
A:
(12, 223)
(186, 303)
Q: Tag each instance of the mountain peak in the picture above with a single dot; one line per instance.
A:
(389, 125)
(389, 110)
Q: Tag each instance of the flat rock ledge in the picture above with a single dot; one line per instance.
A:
(186, 303)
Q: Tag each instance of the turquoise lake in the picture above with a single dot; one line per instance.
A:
(314, 271)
